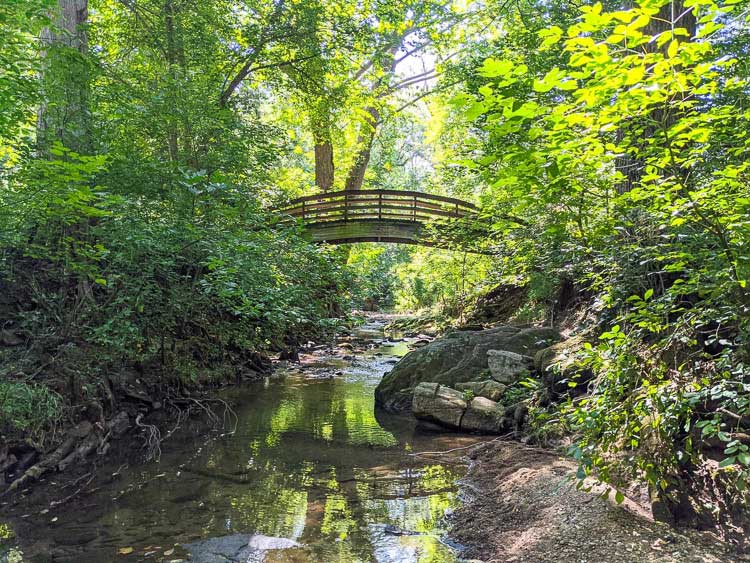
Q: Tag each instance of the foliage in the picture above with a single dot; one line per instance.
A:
(445, 280)
(622, 167)
(28, 407)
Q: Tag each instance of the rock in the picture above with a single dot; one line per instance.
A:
(455, 358)
(484, 416)
(490, 389)
(419, 343)
(508, 367)
(119, 424)
(438, 403)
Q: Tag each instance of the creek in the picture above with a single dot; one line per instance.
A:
(304, 469)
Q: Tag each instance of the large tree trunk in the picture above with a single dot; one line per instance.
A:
(630, 166)
(356, 176)
(64, 114)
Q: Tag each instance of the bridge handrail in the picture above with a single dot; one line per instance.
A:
(353, 205)
(404, 193)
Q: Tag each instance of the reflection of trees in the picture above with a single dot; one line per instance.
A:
(309, 461)
(324, 464)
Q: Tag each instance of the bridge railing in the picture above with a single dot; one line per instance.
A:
(394, 205)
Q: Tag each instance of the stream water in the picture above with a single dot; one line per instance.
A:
(310, 473)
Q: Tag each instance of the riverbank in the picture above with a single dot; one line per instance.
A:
(522, 507)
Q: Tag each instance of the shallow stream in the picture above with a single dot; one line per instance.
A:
(307, 472)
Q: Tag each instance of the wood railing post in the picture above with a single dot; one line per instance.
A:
(380, 206)
(304, 211)
(346, 206)
(414, 210)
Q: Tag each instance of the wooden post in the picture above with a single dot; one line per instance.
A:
(346, 206)
(414, 210)
(304, 211)
(380, 206)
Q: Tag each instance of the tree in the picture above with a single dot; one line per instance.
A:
(64, 115)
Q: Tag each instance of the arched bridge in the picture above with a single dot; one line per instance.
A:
(385, 216)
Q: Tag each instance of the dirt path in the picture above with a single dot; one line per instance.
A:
(524, 509)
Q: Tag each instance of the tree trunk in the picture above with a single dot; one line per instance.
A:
(172, 57)
(630, 166)
(356, 176)
(64, 114)
(324, 170)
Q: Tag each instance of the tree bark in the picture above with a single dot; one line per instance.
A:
(356, 176)
(324, 170)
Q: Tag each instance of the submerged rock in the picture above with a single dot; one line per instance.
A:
(457, 357)
(508, 367)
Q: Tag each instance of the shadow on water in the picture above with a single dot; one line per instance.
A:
(310, 474)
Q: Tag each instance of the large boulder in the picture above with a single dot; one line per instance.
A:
(508, 367)
(491, 390)
(438, 403)
(456, 358)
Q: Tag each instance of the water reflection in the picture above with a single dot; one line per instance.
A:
(308, 462)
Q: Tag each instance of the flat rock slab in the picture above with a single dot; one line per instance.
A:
(438, 403)
(491, 390)
(484, 415)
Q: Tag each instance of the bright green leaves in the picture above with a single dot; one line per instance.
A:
(555, 78)
(492, 68)
(550, 36)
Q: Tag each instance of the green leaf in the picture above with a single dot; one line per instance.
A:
(492, 68)
(727, 461)
(674, 45)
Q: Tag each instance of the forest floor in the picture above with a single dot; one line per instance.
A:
(523, 507)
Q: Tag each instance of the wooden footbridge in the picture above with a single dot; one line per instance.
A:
(396, 216)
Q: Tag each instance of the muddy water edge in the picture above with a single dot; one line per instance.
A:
(301, 469)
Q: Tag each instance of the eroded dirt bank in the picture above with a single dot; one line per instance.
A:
(523, 507)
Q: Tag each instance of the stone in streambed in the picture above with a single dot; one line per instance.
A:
(448, 407)
(484, 415)
(237, 548)
(438, 403)
(508, 367)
